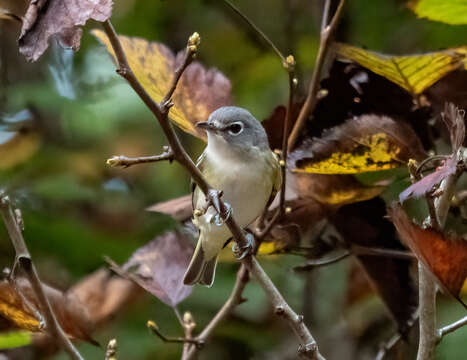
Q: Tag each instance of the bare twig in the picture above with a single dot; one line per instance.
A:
(307, 343)
(234, 299)
(23, 260)
(123, 161)
(257, 30)
(290, 66)
(452, 327)
(326, 35)
(155, 330)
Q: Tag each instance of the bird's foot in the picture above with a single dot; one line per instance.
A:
(241, 252)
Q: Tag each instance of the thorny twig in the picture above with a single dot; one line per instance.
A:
(326, 35)
(308, 345)
(24, 261)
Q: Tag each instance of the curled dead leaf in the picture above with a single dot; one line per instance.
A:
(159, 267)
(199, 92)
(362, 144)
(444, 255)
(18, 303)
(45, 18)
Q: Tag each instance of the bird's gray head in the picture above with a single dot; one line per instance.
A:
(234, 128)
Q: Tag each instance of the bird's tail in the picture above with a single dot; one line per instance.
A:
(200, 270)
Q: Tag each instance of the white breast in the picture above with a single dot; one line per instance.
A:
(246, 186)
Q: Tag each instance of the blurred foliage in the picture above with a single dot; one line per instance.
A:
(77, 210)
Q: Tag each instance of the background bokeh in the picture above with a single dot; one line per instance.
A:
(72, 112)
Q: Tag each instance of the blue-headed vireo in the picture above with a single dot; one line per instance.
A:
(238, 161)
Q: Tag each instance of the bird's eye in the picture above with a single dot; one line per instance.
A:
(235, 128)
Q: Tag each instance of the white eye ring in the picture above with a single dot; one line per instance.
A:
(235, 129)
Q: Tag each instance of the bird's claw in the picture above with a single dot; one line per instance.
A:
(242, 252)
(220, 220)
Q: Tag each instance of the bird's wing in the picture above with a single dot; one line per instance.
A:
(276, 177)
(194, 194)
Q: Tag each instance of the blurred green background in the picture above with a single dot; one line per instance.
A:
(74, 112)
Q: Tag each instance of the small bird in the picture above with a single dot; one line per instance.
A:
(238, 161)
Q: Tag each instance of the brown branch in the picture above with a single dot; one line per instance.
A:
(451, 327)
(307, 343)
(123, 161)
(234, 299)
(326, 35)
(23, 260)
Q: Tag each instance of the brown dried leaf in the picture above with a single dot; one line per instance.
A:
(335, 190)
(274, 124)
(104, 295)
(199, 92)
(45, 18)
(178, 208)
(364, 224)
(14, 307)
(454, 121)
(426, 184)
(445, 256)
(70, 313)
(362, 144)
(160, 265)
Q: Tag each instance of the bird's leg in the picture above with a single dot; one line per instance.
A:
(241, 252)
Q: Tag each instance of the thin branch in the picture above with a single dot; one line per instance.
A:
(326, 35)
(307, 344)
(234, 299)
(452, 327)
(325, 17)
(257, 30)
(123, 161)
(310, 265)
(155, 330)
(382, 252)
(427, 286)
(290, 66)
(23, 259)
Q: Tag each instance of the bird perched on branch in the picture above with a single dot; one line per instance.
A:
(238, 161)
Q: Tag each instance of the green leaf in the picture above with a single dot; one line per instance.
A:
(453, 12)
(15, 339)
(414, 73)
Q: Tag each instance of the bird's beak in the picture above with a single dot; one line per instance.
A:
(205, 125)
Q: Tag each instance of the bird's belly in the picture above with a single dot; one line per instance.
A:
(246, 188)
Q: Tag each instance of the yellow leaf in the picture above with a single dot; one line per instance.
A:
(15, 308)
(198, 93)
(414, 73)
(367, 143)
(452, 12)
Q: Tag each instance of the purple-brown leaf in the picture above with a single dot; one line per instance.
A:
(159, 267)
(426, 184)
(45, 18)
